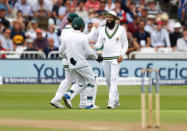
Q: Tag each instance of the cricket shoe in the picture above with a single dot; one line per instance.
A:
(56, 103)
(96, 107)
(117, 104)
(67, 101)
(111, 106)
(93, 107)
(82, 106)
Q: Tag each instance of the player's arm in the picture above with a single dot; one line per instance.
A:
(92, 32)
(62, 48)
(61, 36)
(124, 42)
(89, 50)
(100, 41)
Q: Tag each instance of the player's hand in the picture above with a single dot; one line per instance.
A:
(96, 24)
(73, 61)
(92, 46)
(100, 58)
(120, 59)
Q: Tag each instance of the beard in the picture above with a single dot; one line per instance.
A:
(111, 24)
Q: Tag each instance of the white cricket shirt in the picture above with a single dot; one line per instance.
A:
(114, 42)
(75, 45)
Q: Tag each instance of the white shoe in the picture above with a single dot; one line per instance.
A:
(117, 104)
(93, 107)
(56, 103)
(96, 107)
(67, 101)
(110, 106)
(87, 107)
(82, 106)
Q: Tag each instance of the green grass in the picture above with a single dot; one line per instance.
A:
(32, 102)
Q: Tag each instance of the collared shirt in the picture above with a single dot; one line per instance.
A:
(149, 28)
(25, 8)
(3, 6)
(141, 37)
(114, 42)
(64, 22)
(6, 43)
(40, 43)
(107, 8)
(182, 44)
(174, 37)
(55, 38)
(160, 38)
(83, 14)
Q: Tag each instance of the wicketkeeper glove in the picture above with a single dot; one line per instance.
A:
(100, 58)
(73, 61)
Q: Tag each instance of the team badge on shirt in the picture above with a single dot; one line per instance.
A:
(117, 39)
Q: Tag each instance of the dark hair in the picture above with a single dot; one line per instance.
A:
(102, 2)
(185, 29)
(69, 20)
(81, 1)
(132, 3)
(19, 11)
(141, 20)
(118, 1)
(2, 9)
(6, 29)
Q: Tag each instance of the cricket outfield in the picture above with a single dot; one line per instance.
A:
(27, 108)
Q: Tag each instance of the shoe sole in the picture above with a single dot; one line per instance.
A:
(96, 107)
(56, 106)
(110, 107)
(117, 105)
(66, 103)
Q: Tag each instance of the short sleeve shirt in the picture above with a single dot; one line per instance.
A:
(18, 38)
(141, 37)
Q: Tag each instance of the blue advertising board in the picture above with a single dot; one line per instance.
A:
(35, 71)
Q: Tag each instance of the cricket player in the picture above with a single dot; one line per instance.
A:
(67, 82)
(75, 47)
(113, 38)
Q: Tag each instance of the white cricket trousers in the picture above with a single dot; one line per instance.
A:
(64, 85)
(85, 78)
(111, 71)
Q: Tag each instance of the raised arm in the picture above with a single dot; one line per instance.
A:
(92, 32)
(100, 41)
(88, 49)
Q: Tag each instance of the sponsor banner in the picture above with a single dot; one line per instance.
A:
(171, 82)
(23, 80)
(1, 80)
(47, 71)
(125, 81)
(101, 81)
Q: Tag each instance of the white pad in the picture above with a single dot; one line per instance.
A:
(75, 90)
(95, 89)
